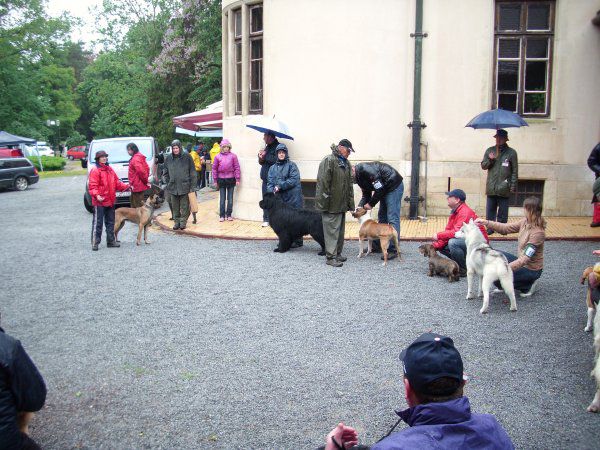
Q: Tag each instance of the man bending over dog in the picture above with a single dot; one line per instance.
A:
(439, 416)
(445, 242)
(22, 391)
(381, 182)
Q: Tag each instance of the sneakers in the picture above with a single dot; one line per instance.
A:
(496, 291)
(595, 224)
(230, 219)
(176, 226)
(221, 219)
(182, 227)
(334, 262)
(95, 247)
(341, 258)
(265, 224)
(531, 290)
(113, 244)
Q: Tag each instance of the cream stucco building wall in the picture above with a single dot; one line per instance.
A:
(344, 69)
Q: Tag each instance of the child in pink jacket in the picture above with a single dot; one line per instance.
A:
(226, 173)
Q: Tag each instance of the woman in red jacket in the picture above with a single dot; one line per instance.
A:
(103, 184)
(138, 175)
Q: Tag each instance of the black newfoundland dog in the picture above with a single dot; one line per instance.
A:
(290, 223)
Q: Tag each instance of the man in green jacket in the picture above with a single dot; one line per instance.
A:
(180, 175)
(503, 168)
(334, 197)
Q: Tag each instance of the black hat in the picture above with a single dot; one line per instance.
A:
(430, 357)
(502, 133)
(100, 154)
(458, 193)
(346, 143)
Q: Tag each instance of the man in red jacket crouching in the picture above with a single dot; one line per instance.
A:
(103, 186)
(445, 242)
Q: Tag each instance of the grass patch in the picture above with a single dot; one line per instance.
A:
(62, 173)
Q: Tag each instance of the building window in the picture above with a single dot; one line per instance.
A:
(237, 36)
(256, 59)
(527, 188)
(309, 192)
(524, 33)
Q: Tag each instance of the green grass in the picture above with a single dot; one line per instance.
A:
(62, 173)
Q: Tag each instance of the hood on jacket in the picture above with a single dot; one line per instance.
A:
(452, 411)
(282, 147)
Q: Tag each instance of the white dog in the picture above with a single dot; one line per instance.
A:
(489, 265)
(595, 405)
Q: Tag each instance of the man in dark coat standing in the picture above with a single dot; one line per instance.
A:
(266, 158)
(381, 183)
(594, 165)
(335, 197)
(180, 175)
(22, 391)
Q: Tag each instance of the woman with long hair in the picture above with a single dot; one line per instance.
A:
(528, 264)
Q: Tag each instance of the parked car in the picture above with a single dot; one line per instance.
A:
(77, 152)
(17, 173)
(43, 150)
(118, 158)
(11, 153)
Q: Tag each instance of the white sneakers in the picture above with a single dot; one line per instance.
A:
(265, 224)
(531, 291)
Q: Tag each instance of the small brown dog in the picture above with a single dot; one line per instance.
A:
(142, 216)
(439, 265)
(591, 298)
(372, 230)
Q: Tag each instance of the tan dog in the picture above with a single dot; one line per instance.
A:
(142, 216)
(438, 265)
(371, 230)
(590, 303)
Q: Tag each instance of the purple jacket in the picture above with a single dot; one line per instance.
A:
(226, 165)
(447, 425)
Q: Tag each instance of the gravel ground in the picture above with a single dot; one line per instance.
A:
(198, 343)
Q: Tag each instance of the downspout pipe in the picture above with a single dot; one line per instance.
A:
(416, 125)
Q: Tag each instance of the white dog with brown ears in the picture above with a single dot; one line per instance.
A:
(372, 230)
(488, 264)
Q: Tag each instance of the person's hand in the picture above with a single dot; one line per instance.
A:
(492, 155)
(276, 189)
(435, 238)
(480, 221)
(262, 153)
(100, 198)
(596, 252)
(367, 207)
(344, 436)
(237, 183)
(216, 185)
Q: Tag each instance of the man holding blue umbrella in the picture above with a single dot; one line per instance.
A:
(266, 158)
(502, 165)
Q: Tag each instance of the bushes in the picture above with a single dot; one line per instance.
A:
(49, 162)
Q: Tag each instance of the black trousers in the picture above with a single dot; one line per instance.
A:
(106, 215)
(496, 208)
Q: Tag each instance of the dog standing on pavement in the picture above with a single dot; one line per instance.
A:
(438, 265)
(593, 293)
(489, 265)
(371, 230)
(142, 216)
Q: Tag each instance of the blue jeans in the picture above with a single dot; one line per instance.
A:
(225, 191)
(389, 211)
(496, 208)
(523, 278)
(456, 250)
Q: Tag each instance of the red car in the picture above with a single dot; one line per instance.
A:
(76, 152)
(11, 153)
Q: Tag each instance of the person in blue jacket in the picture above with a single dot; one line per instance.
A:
(22, 391)
(439, 415)
(284, 180)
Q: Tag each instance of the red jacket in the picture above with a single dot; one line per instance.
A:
(138, 172)
(461, 214)
(104, 181)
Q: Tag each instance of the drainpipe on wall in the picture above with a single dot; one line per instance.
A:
(416, 123)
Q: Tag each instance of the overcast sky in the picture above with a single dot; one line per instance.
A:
(79, 8)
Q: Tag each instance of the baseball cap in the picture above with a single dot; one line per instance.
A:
(430, 357)
(458, 193)
(501, 133)
(346, 143)
(100, 154)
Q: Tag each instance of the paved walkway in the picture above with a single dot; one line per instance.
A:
(559, 228)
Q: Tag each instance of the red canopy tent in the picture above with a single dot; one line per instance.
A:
(209, 118)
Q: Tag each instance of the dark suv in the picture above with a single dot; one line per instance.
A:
(17, 173)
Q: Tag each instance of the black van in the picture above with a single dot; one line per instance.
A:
(17, 173)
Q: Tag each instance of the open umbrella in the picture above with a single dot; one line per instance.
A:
(268, 124)
(496, 119)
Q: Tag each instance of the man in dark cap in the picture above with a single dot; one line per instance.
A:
(334, 197)
(179, 173)
(444, 241)
(502, 165)
(439, 415)
(266, 158)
